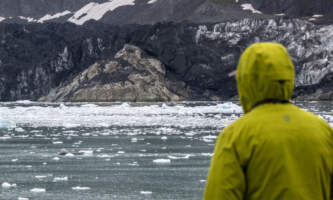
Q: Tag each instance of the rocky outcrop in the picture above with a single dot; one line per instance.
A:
(38, 58)
(128, 76)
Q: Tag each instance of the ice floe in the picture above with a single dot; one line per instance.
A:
(162, 161)
(22, 198)
(2, 19)
(7, 185)
(80, 188)
(38, 190)
(146, 192)
(179, 157)
(7, 124)
(90, 115)
(60, 179)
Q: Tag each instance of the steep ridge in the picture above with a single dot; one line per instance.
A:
(36, 59)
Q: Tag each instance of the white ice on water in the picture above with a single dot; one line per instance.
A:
(162, 161)
(90, 115)
(7, 185)
(38, 190)
(80, 188)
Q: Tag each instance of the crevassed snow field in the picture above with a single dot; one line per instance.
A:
(112, 151)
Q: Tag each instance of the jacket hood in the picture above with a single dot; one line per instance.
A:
(264, 72)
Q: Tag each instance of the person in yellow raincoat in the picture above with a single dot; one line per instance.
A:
(276, 151)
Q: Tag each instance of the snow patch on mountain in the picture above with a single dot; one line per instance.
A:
(29, 19)
(50, 17)
(248, 6)
(152, 1)
(96, 11)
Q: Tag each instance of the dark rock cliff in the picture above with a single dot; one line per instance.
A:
(37, 58)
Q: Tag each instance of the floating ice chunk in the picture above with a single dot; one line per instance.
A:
(38, 190)
(2, 18)
(56, 158)
(80, 188)
(40, 176)
(19, 129)
(14, 160)
(146, 192)
(164, 106)
(62, 107)
(229, 107)
(207, 154)
(202, 181)
(134, 140)
(162, 161)
(57, 142)
(125, 105)
(104, 156)
(59, 179)
(69, 155)
(6, 124)
(179, 157)
(164, 138)
(7, 185)
(89, 106)
(121, 152)
(87, 152)
(24, 102)
(22, 198)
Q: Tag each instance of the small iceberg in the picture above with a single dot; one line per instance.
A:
(38, 190)
(6, 124)
(60, 179)
(162, 161)
(62, 106)
(22, 198)
(7, 185)
(80, 188)
(146, 192)
(229, 107)
(179, 157)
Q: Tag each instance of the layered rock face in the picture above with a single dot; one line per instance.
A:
(42, 60)
(128, 76)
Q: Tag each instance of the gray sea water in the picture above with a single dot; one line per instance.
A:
(118, 151)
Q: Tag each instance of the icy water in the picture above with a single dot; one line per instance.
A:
(119, 151)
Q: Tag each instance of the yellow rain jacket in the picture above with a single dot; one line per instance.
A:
(276, 151)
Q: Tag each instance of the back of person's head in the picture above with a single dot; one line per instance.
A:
(264, 72)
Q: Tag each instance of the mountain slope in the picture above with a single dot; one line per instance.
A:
(37, 58)
(153, 11)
